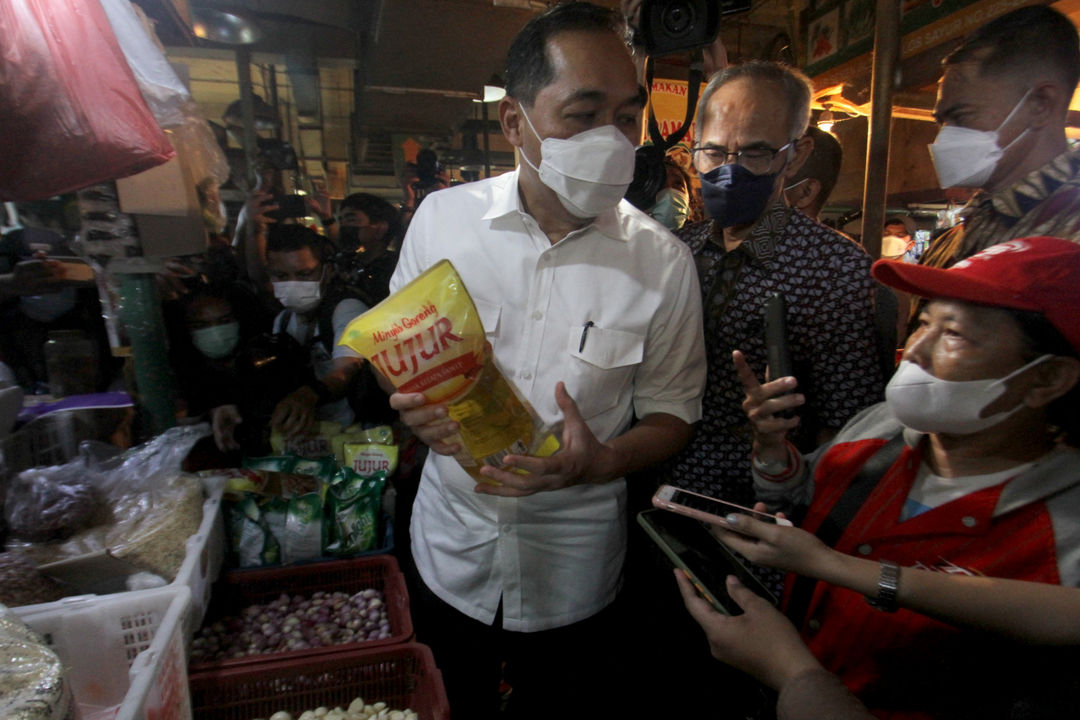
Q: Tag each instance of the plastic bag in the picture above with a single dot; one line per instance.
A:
(149, 509)
(427, 338)
(73, 113)
(51, 503)
(34, 680)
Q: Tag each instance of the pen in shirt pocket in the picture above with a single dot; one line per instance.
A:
(585, 334)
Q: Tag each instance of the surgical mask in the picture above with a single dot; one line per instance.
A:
(929, 404)
(216, 341)
(47, 307)
(965, 157)
(589, 171)
(299, 295)
(735, 196)
(671, 208)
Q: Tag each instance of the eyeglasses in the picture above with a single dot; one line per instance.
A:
(755, 159)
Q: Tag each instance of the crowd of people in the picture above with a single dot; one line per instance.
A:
(932, 566)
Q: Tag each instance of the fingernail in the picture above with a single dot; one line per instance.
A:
(732, 518)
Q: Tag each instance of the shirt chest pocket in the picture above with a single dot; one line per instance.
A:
(602, 366)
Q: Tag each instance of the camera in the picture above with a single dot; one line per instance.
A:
(289, 206)
(671, 26)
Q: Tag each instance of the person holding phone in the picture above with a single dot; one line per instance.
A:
(977, 474)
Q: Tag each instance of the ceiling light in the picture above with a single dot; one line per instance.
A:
(826, 121)
(225, 27)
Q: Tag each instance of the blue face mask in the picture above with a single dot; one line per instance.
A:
(735, 196)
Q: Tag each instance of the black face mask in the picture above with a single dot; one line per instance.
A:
(735, 196)
(349, 237)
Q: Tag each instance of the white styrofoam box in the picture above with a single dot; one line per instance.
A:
(123, 652)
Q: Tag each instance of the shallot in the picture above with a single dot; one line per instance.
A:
(295, 623)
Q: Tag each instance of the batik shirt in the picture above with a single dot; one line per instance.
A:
(1045, 202)
(825, 278)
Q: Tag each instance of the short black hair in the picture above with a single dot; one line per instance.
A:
(290, 237)
(377, 210)
(823, 164)
(1033, 36)
(528, 67)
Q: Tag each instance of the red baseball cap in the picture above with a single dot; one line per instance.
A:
(1035, 273)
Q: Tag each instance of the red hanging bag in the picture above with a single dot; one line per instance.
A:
(72, 114)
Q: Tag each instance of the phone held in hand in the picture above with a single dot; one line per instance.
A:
(687, 545)
(289, 206)
(707, 509)
(776, 342)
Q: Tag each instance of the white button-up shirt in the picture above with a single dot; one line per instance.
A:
(555, 557)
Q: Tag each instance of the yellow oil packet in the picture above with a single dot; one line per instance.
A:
(427, 338)
(370, 458)
(319, 444)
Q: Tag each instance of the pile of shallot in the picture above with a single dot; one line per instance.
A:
(295, 623)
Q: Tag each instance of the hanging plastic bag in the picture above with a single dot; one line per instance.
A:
(73, 113)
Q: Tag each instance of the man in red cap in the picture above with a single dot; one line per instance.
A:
(969, 467)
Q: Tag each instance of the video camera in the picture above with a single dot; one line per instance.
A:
(668, 27)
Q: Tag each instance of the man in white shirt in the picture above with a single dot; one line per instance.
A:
(593, 311)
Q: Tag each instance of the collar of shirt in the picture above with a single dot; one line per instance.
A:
(761, 244)
(1021, 197)
(506, 200)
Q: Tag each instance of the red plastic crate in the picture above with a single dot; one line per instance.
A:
(403, 677)
(240, 588)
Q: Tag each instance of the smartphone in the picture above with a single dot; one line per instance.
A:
(289, 206)
(705, 508)
(689, 546)
(776, 344)
(75, 269)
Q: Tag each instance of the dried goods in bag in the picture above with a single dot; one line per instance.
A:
(427, 338)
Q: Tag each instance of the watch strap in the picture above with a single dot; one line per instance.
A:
(888, 585)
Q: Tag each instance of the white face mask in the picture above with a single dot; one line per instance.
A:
(216, 341)
(929, 404)
(49, 306)
(589, 171)
(299, 295)
(964, 157)
(893, 246)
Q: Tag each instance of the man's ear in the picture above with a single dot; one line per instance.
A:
(1048, 103)
(803, 195)
(512, 121)
(1053, 379)
(803, 147)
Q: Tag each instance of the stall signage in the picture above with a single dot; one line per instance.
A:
(836, 31)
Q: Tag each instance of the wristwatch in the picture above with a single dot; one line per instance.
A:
(327, 222)
(888, 584)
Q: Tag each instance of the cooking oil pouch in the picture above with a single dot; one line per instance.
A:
(322, 468)
(427, 338)
(251, 541)
(370, 458)
(270, 463)
(317, 445)
(358, 433)
(287, 505)
(354, 502)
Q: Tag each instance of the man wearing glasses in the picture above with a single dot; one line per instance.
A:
(753, 141)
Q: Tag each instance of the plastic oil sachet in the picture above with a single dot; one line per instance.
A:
(427, 338)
